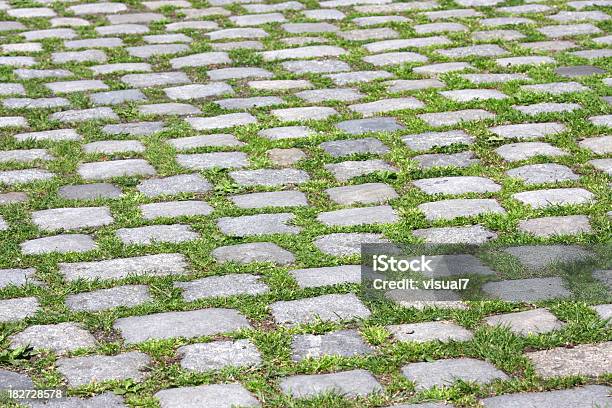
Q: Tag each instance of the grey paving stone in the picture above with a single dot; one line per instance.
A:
(521, 151)
(439, 28)
(13, 122)
(401, 85)
(60, 338)
(313, 51)
(55, 135)
(222, 121)
(604, 312)
(13, 177)
(122, 29)
(454, 13)
(492, 35)
(253, 252)
(467, 95)
(147, 265)
(223, 74)
(386, 105)
(152, 234)
(457, 185)
(556, 88)
(461, 207)
(183, 183)
(134, 18)
(333, 308)
(25, 156)
(12, 89)
(462, 159)
(543, 173)
(216, 355)
(12, 310)
(552, 197)
(16, 381)
(316, 66)
(167, 38)
(601, 120)
(257, 19)
(38, 103)
(269, 177)
(13, 197)
(303, 114)
(79, 56)
(115, 168)
(204, 161)
(538, 257)
(361, 126)
(174, 209)
(481, 50)
(181, 109)
(299, 28)
(473, 234)
(442, 68)
(585, 397)
(549, 46)
(394, 58)
(331, 94)
(347, 243)
(260, 224)
(455, 117)
(17, 61)
(285, 157)
(578, 71)
(97, 368)
(354, 383)
(383, 214)
(547, 107)
(280, 85)
(197, 91)
(535, 321)
(527, 290)
(340, 148)
(344, 171)
(249, 103)
(109, 42)
(155, 79)
(324, 14)
(117, 97)
(134, 129)
(213, 396)
(495, 78)
(426, 141)
(200, 60)
(83, 115)
(234, 33)
(62, 244)
(193, 323)
(369, 34)
(104, 400)
(104, 299)
(604, 165)
(559, 225)
(345, 343)
(443, 373)
(589, 360)
(568, 30)
(346, 78)
(265, 8)
(17, 277)
(598, 145)
(114, 146)
(604, 276)
(97, 8)
(270, 199)
(443, 331)
(192, 142)
(222, 286)
(64, 33)
(326, 276)
(72, 218)
(369, 193)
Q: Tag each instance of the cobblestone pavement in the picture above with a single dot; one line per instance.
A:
(185, 185)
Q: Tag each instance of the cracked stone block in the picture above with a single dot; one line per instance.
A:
(443, 331)
(115, 168)
(334, 308)
(556, 196)
(589, 360)
(326, 276)
(345, 343)
(461, 207)
(153, 234)
(354, 383)
(521, 151)
(527, 290)
(253, 252)
(383, 214)
(104, 299)
(174, 209)
(213, 396)
(585, 397)
(182, 183)
(472, 234)
(205, 161)
(443, 373)
(147, 265)
(193, 323)
(457, 185)
(260, 224)
(535, 321)
(560, 225)
(269, 177)
(62, 244)
(61, 338)
(72, 218)
(12, 310)
(97, 368)
(217, 355)
(222, 286)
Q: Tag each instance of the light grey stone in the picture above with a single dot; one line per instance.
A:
(223, 74)
(495, 78)
(454, 13)
(521, 151)
(183, 183)
(314, 51)
(604, 312)
(216, 355)
(38, 103)
(194, 323)
(97, 368)
(204, 161)
(299, 28)
(134, 18)
(269, 177)
(210, 396)
(122, 29)
(333, 308)
(426, 141)
(527, 290)
(214, 140)
(13, 197)
(535, 321)
(234, 33)
(253, 252)
(461, 207)
(13, 122)
(455, 117)
(598, 145)
(316, 66)
(481, 50)
(386, 105)
(152, 234)
(344, 171)
(270, 199)
(147, 265)
(585, 397)
(354, 383)
(155, 79)
(578, 70)
(260, 224)
(181, 109)
(257, 19)
(72, 218)
(249, 103)
(556, 88)
(568, 30)
(547, 107)
(84, 115)
(559, 225)
(13, 177)
(134, 129)
(539, 257)
(457, 185)
(346, 78)
(442, 68)
(324, 14)
(552, 197)
(62, 244)
(104, 299)
(174, 209)
(401, 85)
(109, 42)
(467, 95)
(60, 338)
(117, 97)
(443, 373)
(285, 157)
(473, 234)
(24, 156)
(383, 214)
(105, 400)
(346, 244)
(345, 343)
(17, 277)
(79, 56)
(394, 58)
(361, 126)
(114, 146)
(115, 168)
(369, 193)
(340, 148)
(64, 33)
(304, 113)
(54, 135)
(12, 310)
(222, 121)
(197, 91)
(331, 94)
(462, 159)
(222, 286)
(589, 360)
(201, 60)
(16, 381)
(443, 331)
(543, 173)
(326, 276)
